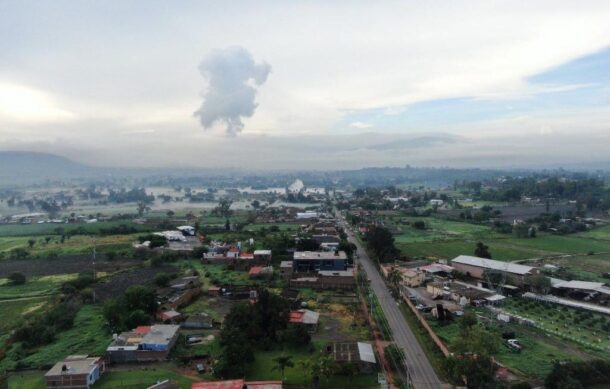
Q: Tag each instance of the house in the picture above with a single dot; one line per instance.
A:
(169, 316)
(306, 215)
(476, 267)
(313, 261)
(286, 269)
(186, 230)
(325, 238)
(260, 271)
(75, 372)
(143, 344)
(262, 256)
(305, 317)
(327, 279)
(198, 321)
(181, 292)
(237, 384)
(359, 353)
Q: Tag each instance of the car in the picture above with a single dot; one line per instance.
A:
(200, 368)
(420, 307)
(514, 345)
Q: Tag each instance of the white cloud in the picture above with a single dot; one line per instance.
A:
(360, 125)
(23, 104)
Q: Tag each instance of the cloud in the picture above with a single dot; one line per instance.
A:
(23, 104)
(233, 78)
(360, 125)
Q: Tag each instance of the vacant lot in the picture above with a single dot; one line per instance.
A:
(62, 265)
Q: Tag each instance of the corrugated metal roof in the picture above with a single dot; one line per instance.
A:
(366, 352)
(492, 264)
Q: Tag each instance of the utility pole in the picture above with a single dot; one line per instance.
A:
(93, 261)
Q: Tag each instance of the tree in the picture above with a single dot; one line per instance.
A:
(17, 278)
(137, 318)
(539, 283)
(142, 208)
(140, 297)
(394, 277)
(472, 358)
(281, 363)
(170, 214)
(31, 242)
(162, 280)
(381, 242)
(482, 251)
(110, 255)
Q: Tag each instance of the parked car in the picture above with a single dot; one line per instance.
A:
(514, 345)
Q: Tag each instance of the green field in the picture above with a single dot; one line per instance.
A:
(87, 336)
(453, 248)
(13, 311)
(280, 226)
(262, 369)
(77, 244)
(141, 378)
(34, 286)
(27, 380)
(52, 228)
(534, 361)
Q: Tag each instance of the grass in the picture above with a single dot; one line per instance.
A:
(569, 322)
(34, 286)
(87, 336)
(27, 380)
(219, 275)
(77, 244)
(570, 244)
(12, 311)
(141, 378)
(453, 248)
(262, 369)
(11, 230)
(437, 229)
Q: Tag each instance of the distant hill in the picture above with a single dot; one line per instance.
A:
(27, 165)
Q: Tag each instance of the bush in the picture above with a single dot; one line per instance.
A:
(162, 280)
(17, 278)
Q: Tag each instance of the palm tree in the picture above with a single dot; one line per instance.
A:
(281, 363)
(394, 276)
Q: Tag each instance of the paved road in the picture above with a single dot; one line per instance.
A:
(422, 374)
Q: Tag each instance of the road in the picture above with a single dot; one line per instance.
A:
(422, 374)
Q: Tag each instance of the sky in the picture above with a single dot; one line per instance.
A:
(307, 85)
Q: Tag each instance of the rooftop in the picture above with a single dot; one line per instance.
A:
(492, 264)
(304, 316)
(237, 384)
(319, 255)
(75, 364)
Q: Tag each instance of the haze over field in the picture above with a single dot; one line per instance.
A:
(299, 85)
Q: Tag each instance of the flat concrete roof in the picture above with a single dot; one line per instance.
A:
(319, 255)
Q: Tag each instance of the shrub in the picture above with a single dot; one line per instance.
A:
(17, 278)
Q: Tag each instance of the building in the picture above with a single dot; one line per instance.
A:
(75, 372)
(325, 238)
(360, 353)
(260, 271)
(262, 256)
(186, 230)
(314, 261)
(305, 317)
(237, 384)
(326, 279)
(143, 344)
(580, 290)
(286, 269)
(476, 267)
(198, 321)
(306, 215)
(169, 316)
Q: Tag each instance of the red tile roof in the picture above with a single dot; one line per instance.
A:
(237, 384)
(296, 317)
(254, 270)
(142, 330)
